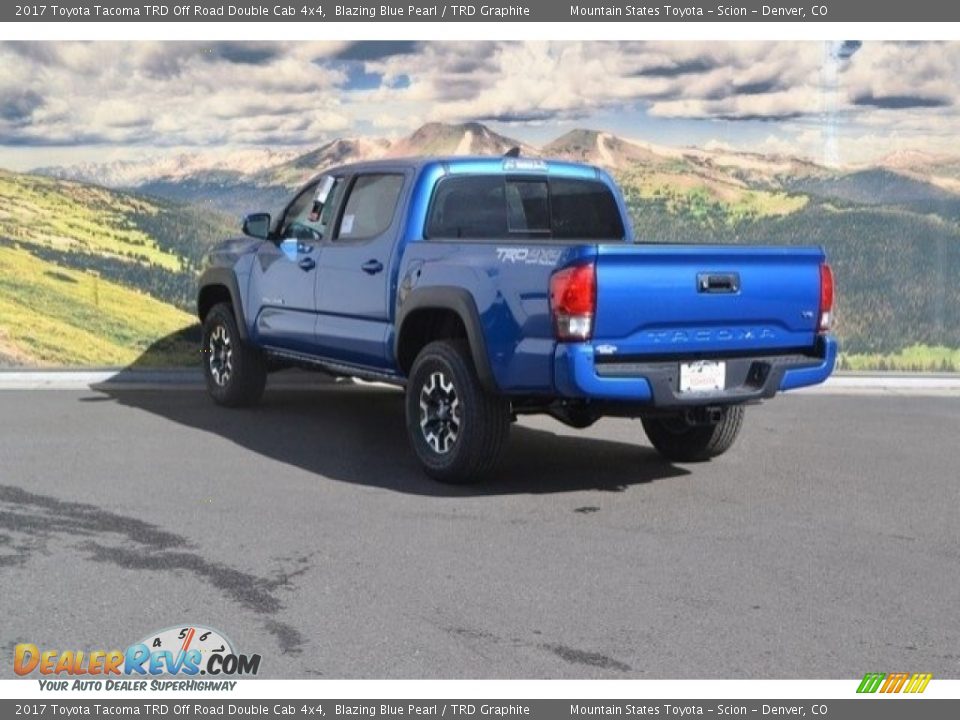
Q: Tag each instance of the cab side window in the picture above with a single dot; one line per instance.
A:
(370, 207)
(468, 208)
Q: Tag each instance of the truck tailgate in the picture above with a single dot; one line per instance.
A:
(686, 301)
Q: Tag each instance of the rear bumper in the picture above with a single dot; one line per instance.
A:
(578, 375)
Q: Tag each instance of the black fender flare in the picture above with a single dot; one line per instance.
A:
(224, 277)
(462, 303)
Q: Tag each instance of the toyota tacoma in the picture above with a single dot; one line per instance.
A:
(495, 287)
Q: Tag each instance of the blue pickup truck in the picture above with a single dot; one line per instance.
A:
(494, 287)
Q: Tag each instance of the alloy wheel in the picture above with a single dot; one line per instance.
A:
(439, 413)
(220, 351)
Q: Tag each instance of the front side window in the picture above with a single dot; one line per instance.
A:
(493, 207)
(370, 206)
(309, 217)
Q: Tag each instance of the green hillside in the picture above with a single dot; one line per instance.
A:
(916, 358)
(90, 276)
(145, 243)
(54, 315)
(892, 236)
(712, 201)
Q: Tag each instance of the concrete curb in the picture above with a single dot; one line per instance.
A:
(187, 379)
(892, 384)
(85, 379)
(137, 380)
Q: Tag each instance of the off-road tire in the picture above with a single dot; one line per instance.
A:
(443, 375)
(694, 443)
(237, 379)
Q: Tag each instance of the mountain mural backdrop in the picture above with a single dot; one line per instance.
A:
(97, 261)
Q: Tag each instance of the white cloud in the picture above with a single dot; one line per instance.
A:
(216, 94)
(904, 75)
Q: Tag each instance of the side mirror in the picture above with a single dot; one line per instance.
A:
(257, 225)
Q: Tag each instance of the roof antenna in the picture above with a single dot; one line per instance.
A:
(513, 152)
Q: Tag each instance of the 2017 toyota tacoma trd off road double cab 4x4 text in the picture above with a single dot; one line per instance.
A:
(494, 287)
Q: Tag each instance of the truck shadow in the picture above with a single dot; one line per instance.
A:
(356, 433)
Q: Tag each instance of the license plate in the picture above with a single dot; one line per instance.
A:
(702, 376)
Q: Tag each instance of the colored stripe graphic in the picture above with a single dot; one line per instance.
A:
(871, 682)
(918, 682)
(894, 682)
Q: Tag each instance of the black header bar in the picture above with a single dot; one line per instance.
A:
(495, 11)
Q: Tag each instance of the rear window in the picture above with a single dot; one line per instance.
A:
(494, 207)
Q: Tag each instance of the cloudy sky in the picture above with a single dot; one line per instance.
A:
(836, 102)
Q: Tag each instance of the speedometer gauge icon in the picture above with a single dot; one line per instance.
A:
(179, 640)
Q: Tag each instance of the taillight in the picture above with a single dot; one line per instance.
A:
(573, 301)
(826, 298)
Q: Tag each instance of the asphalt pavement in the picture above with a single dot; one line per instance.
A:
(826, 544)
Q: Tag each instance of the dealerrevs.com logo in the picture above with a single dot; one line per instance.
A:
(185, 652)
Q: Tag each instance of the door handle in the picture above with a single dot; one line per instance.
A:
(307, 263)
(372, 267)
(718, 282)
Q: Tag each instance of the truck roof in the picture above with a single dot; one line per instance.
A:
(482, 164)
